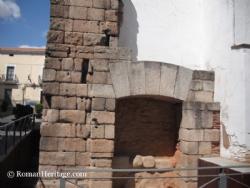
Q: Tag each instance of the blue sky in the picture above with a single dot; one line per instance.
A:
(23, 23)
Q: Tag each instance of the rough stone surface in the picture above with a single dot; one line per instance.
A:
(148, 162)
(110, 105)
(183, 82)
(98, 104)
(81, 90)
(83, 159)
(57, 158)
(48, 144)
(120, 80)
(102, 117)
(109, 131)
(97, 131)
(137, 78)
(72, 116)
(71, 144)
(101, 146)
(152, 77)
(168, 79)
(100, 90)
(68, 89)
(58, 130)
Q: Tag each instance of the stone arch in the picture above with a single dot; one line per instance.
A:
(150, 78)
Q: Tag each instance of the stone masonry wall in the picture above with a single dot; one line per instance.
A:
(78, 120)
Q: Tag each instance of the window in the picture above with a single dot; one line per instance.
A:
(10, 73)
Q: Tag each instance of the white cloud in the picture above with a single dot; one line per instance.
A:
(28, 46)
(9, 9)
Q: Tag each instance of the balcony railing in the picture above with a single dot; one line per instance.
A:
(9, 80)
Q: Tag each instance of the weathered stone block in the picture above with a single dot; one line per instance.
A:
(81, 104)
(189, 147)
(152, 78)
(109, 131)
(114, 4)
(57, 158)
(102, 155)
(58, 11)
(113, 42)
(203, 96)
(49, 75)
(57, 24)
(88, 103)
(78, 64)
(52, 63)
(58, 130)
(203, 75)
(205, 148)
(183, 83)
(212, 135)
(71, 144)
(104, 4)
(81, 90)
(111, 15)
(55, 36)
(101, 145)
(98, 184)
(98, 104)
(101, 90)
(191, 134)
(102, 163)
(82, 3)
(148, 162)
(82, 131)
(63, 76)
(83, 159)
(100, 65)
(137, 162)
(48, 144)
(67, 64)
(51, 88)
(136, 78)
(77, 12)
(97, 131)
(95, 14)
(119, 76)
(100, 78)
(103, 117)
(68, 103)
(110, 105)
(196, 119)
(91, 39)
(86, 26)
(111, 26)
(76, 77)
(52, 115)
(72, 116)
(55, 102)
(164, 162)
(73, 38)
(68, 89)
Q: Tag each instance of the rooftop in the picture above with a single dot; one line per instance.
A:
(28, 51)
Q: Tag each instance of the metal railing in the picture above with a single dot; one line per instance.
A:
(222, 178)
(13, 79)
(11, 133)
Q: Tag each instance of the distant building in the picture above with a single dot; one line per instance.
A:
(21, 74)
